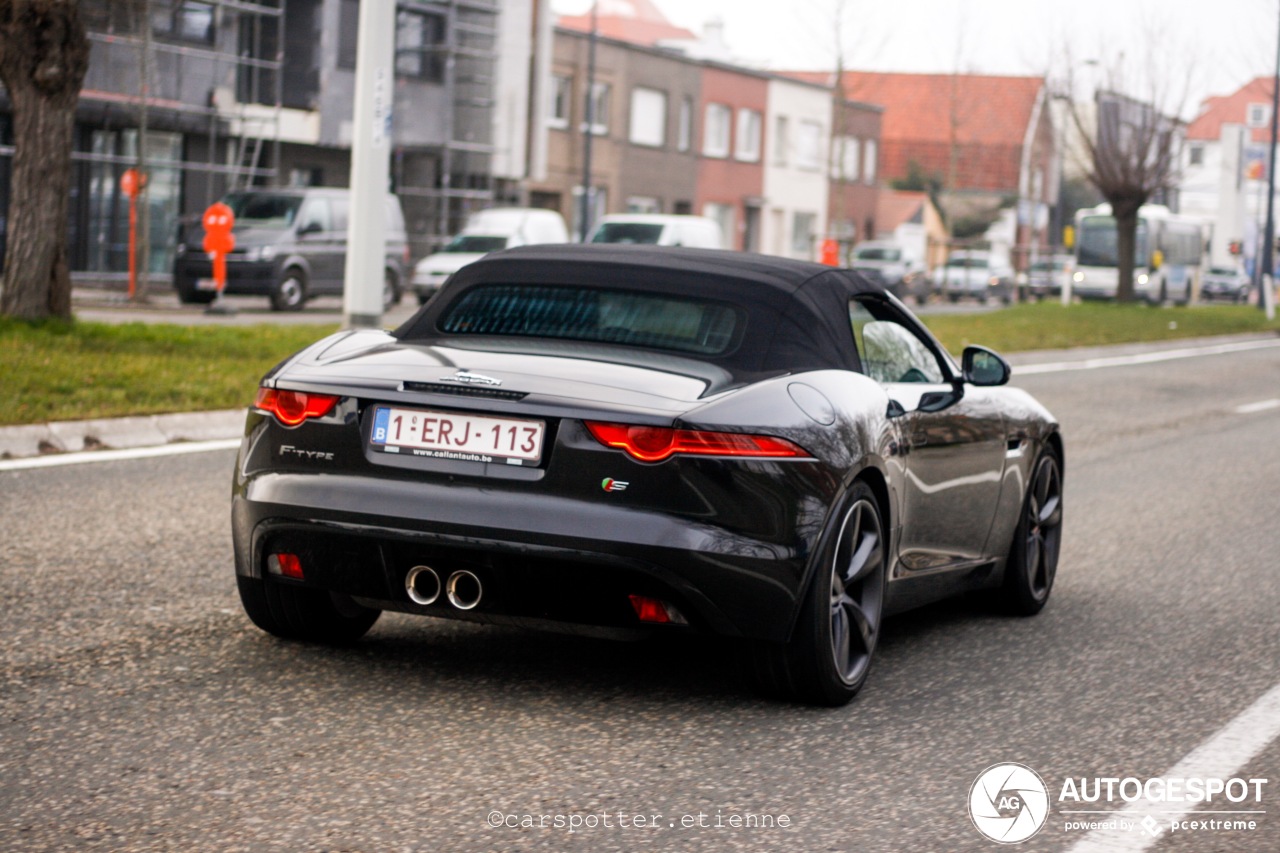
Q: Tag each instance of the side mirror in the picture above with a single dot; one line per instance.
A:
(311, 227)
(983, 367)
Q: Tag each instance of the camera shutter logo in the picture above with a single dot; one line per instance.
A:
(1008, 803)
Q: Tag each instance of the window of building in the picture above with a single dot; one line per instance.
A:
(189, 20)
(809, 146)
(847, 162)
(648, 117)
(723, 215)
(1258, 115)
(781, 142)
(561, 98)
(418, 38)
(643, 204)
(802, 225)
(348, 28)
(748, 137)
(1195, 154)
(715, 138)
(684, 133)
(598, 109)
(869, 161)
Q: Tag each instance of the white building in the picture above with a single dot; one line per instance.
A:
(797, 124)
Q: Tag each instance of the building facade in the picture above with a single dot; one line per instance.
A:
(211, 95)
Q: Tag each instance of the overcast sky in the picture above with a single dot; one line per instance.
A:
(1210, 47)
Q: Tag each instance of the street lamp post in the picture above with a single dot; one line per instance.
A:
(1267, 292)
(588, 130)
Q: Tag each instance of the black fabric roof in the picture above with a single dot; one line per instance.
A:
(797, 311)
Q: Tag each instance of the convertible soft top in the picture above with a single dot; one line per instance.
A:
(797, 312)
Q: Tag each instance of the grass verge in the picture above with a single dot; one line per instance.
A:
(1051, 325)
(72, 371)
(55, 371)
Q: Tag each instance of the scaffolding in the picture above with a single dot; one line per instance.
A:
(443, 184)
(187, 91)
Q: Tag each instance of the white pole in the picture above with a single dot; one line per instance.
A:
(370, 166)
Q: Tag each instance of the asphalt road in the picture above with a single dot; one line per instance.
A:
(139, 710)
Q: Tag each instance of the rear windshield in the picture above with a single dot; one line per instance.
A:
(475, 244)
(878, 255)
(627, 232)
(964, 261)
(650, 320)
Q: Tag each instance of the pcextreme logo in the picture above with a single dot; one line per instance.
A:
(1009, 803)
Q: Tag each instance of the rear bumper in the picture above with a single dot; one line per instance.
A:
(545, 554)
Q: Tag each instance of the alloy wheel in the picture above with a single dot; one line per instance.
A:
(857, 591)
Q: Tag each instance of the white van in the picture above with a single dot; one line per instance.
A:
(659, 229)
(487, 231)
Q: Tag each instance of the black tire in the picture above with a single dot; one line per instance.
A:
(1033, 555)
(827, 661)
(290, 292)
(298, 613)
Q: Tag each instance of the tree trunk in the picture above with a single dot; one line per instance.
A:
(1126, 239)
(44, 55)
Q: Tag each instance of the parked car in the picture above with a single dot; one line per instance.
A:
(291, 245)
(1047, 276)
(1225, 283)
(487, 231)
(620, 440)
(885, 263)
(659, 229)
(976, 273)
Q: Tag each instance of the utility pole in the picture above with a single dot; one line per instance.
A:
(1266, 293)
(370, 166)
(588, 130)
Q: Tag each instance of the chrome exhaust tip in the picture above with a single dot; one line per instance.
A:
(423, 585)
(464, 590)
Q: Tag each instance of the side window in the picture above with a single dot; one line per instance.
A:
(315, 212)
(890, 351)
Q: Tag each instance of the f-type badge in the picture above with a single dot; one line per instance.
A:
(466, 377)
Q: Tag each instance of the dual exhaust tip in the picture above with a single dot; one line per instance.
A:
(463, 589)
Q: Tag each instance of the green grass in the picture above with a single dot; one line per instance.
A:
(73, 371)
(1048, 325)
(56, 371)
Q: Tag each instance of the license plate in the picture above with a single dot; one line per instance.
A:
(452, 435)
(206, 284)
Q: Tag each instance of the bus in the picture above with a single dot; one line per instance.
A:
(1168, 253)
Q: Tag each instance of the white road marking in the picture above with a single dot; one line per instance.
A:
(1220, 757)
(1143, 358)
(1261, 406)
(177, 449)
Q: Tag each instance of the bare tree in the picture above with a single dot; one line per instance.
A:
(1131, 144)
(44, 54)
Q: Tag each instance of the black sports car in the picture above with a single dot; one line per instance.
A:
(618, 439)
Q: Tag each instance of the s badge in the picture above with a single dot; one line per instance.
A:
(611, 485)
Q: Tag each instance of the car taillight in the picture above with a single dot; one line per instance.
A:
(654, 444)
(293, 407)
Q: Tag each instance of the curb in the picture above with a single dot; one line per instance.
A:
(18, 442)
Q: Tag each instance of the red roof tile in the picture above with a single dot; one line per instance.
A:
(895, 207)
(919, 107)
(634, 21)
(1232, 109)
